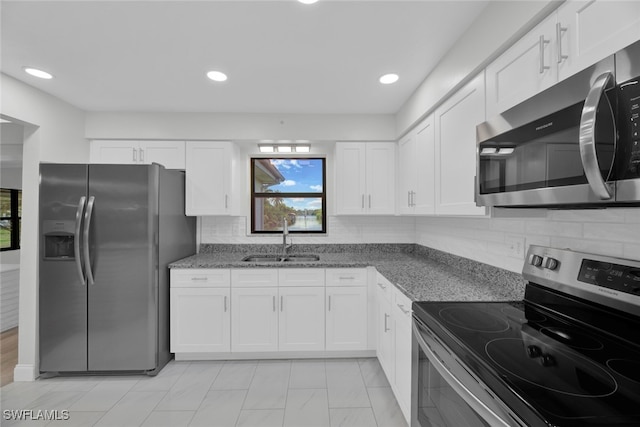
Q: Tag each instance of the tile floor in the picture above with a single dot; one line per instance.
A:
(283, 393)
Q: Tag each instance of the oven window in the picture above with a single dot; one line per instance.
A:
(544, 153)
(438, 404)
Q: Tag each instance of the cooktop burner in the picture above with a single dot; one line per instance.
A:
(571, 375)
(472, 319)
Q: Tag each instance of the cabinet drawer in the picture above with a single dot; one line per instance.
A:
(385, 287)
(346, 276)
(301, 277)
(200, 277)
(254, 277)
(401, 303)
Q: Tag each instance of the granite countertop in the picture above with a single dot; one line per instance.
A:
(421, 273)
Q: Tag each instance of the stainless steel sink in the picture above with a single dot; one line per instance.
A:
(262, 258)
(279, 258)
(302, 258)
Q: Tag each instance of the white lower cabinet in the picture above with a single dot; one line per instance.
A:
(254, 319)
(346, 318)
(200, 320)
(394, 341)
(200, 311)
(301, 319)
(268, 310)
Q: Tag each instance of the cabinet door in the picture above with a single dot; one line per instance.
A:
(403, 341)
(254, 319)
(455, 126)
(350, 178)
(208, 175)
(301, 319)
(523, 70)
(200, 320)
(407, 174)
(170, 154)
(114, 152)
(592, 30)
(423, 198)
(347, 318)
(380, 178)
(385, 339)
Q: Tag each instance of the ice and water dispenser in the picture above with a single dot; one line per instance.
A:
(58, 239)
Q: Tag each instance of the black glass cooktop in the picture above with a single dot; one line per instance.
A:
(551, 369)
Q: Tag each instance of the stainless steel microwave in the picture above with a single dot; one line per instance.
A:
(575, 144)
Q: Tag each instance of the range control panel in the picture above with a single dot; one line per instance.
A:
(613, 276)
(613, 282)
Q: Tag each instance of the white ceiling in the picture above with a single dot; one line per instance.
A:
(280, 56)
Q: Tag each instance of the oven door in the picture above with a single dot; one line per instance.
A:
(446, 393)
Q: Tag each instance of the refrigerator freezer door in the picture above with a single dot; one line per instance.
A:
(123, 301)
(62, 289)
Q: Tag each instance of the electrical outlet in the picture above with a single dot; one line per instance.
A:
(515, 245)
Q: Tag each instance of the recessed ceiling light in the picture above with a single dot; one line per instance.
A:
(217, 76)
(307, 1)
(37, 73)
(387, 79)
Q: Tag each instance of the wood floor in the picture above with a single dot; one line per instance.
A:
(8, 355)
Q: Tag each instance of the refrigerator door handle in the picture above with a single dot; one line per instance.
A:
(87, 227)
(76, 238)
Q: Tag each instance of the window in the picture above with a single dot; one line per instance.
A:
(10, 219)
(292, 188)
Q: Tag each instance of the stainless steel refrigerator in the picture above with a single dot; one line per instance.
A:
(107, 233)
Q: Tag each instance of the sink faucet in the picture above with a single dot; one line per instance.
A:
(285, 233)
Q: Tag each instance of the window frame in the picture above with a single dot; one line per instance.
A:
(15, 219)
(316, 195)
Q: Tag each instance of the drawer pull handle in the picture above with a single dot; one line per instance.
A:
(382, 286)
(347, 278)
(386, 317)
(199, 279)
(401, 307)
(225, 304)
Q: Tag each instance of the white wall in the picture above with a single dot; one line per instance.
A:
(54, 132)
(219, 126)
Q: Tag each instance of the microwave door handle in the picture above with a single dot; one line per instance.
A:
(76, 238)
(587, 138)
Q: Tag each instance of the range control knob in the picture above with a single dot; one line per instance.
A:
(535, 260)
(550, 263)
(534, 351)
(547, 360)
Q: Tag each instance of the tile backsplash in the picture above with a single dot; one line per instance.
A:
(500, 240)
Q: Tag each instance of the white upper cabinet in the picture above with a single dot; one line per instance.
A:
(578, 34)
(589, 31)
(210, 184)
(455, 150)
(170, 154)
(365, 178)
(416, 163)
(523, 70)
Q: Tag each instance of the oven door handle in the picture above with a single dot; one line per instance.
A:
(476, 404)
(587, 140)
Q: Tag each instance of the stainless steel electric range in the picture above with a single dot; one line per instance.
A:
(568, 355)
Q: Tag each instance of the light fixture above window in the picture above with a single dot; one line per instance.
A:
(284, 148)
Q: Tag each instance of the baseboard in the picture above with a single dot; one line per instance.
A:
(275, 355)
(24, 372)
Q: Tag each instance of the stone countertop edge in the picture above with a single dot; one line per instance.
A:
(421, 273)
